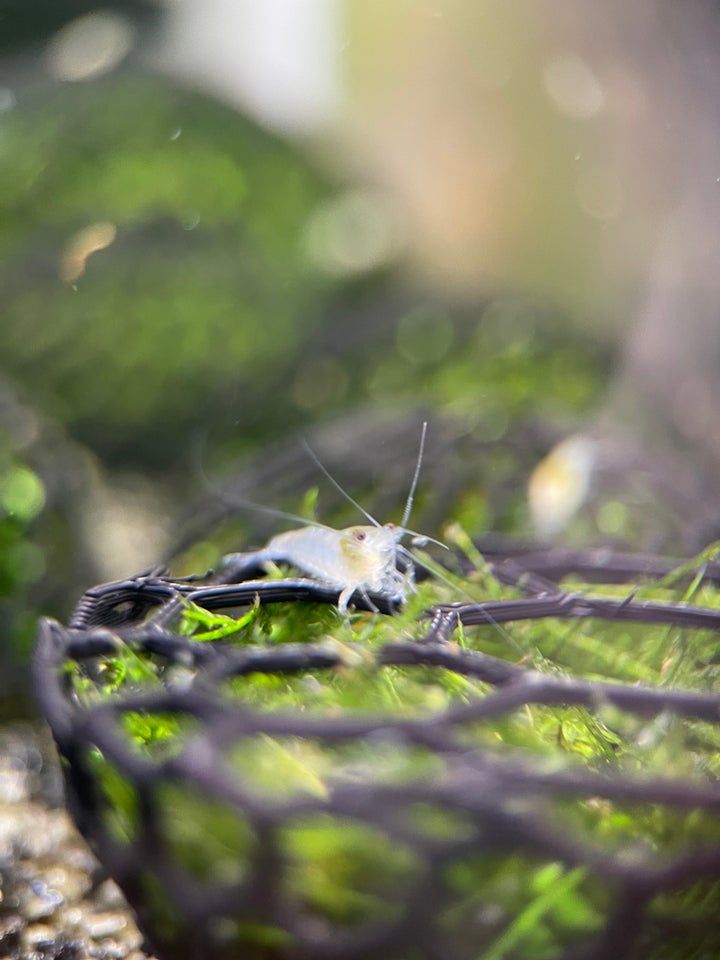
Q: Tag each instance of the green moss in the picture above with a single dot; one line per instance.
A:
(346, 872)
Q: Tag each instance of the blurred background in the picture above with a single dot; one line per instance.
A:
(231, 224)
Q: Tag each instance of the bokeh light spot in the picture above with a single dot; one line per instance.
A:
(573, 88)
(320, 382)
(89, 46)
(353, 233)
(425, 335)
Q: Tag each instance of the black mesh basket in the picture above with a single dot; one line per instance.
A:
(257, 800)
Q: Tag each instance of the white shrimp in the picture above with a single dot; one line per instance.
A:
(356, 558)
(363, 558)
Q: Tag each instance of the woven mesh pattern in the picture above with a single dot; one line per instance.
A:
(217, 863)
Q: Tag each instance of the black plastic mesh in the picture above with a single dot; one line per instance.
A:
(476, 803)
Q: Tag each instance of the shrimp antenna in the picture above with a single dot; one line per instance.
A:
(232, 500)
(324, 470)
(416, 476)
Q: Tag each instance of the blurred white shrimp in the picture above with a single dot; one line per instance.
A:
(361, 558)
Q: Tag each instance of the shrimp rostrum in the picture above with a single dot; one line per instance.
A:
(368, 558)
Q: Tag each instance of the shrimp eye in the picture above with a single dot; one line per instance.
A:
(360, 535)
